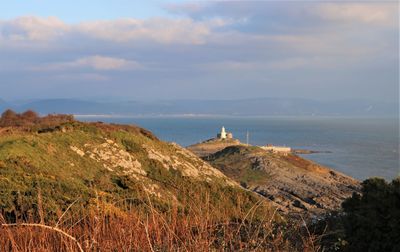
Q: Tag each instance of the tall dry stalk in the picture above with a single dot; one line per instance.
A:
(14, 245)
(193, 224)
(48, 228)
(40, 205)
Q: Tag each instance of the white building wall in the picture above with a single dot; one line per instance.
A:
(277, 149)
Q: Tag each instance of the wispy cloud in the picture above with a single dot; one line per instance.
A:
(160, 30)
(32, 28)
(368, 13)
(209, 46)
(96, 62)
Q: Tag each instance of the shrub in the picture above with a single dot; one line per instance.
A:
(372, 219)
(8, 118)
(31, 119)
(30, 115)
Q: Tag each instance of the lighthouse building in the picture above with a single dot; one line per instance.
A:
(224, 135)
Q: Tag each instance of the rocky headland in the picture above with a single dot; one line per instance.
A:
(211, 146)
(291, 183)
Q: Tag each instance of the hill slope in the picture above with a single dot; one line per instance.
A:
(95, 162)
(292, 183)
(117, 187)
(211, 146)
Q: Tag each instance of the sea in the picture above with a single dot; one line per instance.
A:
(359, 147)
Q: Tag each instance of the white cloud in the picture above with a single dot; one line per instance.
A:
(32, 29)
(368, 13)
(105, 63)
(253, 40)
(160, 30)
(99, 63)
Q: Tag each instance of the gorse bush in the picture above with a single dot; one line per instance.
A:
(10, 118)
(372, 219)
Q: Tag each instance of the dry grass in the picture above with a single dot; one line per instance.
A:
(151, 229)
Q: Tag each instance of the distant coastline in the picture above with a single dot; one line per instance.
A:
(194, 108)
(152, 116)
(228, 116)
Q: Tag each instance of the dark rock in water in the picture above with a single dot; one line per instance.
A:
(301, 151)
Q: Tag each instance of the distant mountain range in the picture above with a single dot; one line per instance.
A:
(244, 107)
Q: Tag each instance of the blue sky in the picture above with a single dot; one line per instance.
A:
(77, 11)
(152, 50)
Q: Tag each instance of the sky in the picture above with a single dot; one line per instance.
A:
(164, 50)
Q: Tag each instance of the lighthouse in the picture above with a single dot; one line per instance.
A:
(223, 133)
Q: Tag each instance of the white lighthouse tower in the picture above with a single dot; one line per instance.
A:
(223, 133)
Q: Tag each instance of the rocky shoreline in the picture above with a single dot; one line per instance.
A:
(292, 184)
(303, 151)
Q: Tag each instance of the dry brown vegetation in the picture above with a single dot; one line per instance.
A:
(149, 228)
(30, 118)
(305, 164)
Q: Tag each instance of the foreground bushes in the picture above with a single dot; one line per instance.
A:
(372, 219)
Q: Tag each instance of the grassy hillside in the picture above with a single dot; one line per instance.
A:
(98, 162)
(115, 187)
(231, 162)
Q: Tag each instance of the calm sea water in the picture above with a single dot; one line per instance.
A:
(361, 148)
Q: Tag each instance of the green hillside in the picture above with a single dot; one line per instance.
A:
(92, 162)
(74, 186)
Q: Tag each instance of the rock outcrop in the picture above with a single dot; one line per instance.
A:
(211, 146)
(293, 184)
